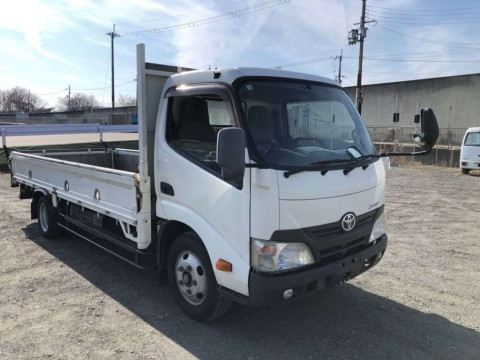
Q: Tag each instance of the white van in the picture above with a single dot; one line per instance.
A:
(470, 152)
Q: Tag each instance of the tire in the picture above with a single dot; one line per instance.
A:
(192, 279)
(465, 171)
(48, 218)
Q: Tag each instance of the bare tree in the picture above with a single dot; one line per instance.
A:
(126, 100)
(20, 99)
(78, 101)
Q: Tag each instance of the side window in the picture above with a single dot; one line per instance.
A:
(193, 123)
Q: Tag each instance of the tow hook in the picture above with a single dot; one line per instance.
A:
(346, 277)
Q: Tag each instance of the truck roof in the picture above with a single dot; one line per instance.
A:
(229, 75)
(473, 129)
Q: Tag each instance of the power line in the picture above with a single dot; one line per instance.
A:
(434, 53)
(431, 53)
(417, 60)
(185, 14)
(426, 40)
(103, 87)
(232, 14)
(418, 10)
(52, 93)
(303, 62)
(430, 23)
(349, 15)
(347, 20)
(402, 16)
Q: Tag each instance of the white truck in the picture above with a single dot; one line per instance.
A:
(470, 151)
(251, 185)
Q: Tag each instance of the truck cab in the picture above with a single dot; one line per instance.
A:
(285, 221)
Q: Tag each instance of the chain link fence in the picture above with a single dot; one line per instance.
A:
(397, 139)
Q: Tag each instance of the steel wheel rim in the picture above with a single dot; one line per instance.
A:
(191, 277)
(43, 217)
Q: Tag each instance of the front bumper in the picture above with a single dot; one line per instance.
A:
(469, 164)
(267, 289)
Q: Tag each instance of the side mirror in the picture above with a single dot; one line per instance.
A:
(427, 139)
(430, 130)
(231, 153)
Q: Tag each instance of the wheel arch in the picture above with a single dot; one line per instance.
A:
(37, 194)
(167, 232)
(215, 246)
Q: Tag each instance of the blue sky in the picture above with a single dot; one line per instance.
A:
(48, 45)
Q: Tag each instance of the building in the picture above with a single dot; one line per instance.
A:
(455, 100)
(122, 116)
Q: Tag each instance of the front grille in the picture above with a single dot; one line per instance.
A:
(330, 242)
(322, 231)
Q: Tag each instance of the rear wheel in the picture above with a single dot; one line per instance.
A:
(193, 281)
(465, 171)
(48, 218)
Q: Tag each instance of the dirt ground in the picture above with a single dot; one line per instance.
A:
(66, 299)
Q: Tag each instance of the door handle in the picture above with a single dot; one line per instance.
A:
(167, 189)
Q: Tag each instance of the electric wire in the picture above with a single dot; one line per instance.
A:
(429, 10)
(427, 40)
(416, 60)
(194, 24)
(53, 93)
(103, 87)
(184, 14)
(420, 16)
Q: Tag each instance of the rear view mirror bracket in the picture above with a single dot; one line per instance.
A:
(427, 139)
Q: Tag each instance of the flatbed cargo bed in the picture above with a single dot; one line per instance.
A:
(103, 180)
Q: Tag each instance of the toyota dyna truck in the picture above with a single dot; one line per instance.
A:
(251, 185)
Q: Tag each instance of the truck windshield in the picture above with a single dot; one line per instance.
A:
(296, 123)
(473, 139)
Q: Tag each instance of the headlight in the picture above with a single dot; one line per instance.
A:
(273, 256)
(378, 228)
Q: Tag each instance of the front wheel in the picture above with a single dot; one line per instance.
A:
(465, 171)
(193, 281)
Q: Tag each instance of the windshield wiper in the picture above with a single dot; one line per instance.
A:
(315, 166)
(359, 161)
(323, 166)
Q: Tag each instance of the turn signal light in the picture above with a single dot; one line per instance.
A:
(223, 265)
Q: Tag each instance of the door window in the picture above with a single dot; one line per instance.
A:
(193, 123)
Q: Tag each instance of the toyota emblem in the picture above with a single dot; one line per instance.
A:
(348, 221)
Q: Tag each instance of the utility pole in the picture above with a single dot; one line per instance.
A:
(113, 35)
(339, 77)
(68, 97)
(28, 101)
(359, 35)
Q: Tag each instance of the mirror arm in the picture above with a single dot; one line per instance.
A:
(424, 152)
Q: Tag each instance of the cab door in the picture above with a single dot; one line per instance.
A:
(189, 185)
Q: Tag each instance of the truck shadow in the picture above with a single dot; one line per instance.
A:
(346, 322)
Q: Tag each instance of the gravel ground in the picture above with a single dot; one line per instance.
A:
(66, 299)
